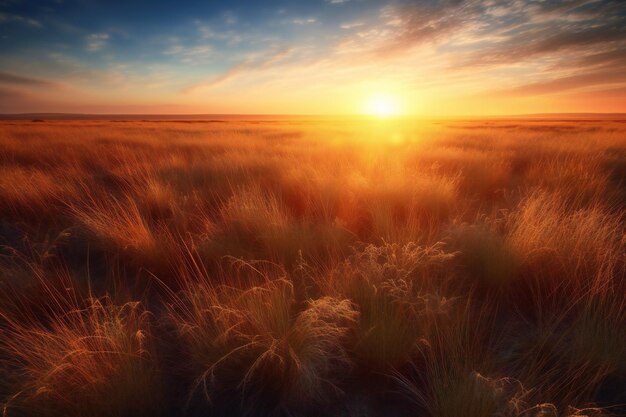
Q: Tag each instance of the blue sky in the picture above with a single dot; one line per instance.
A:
(315, 56)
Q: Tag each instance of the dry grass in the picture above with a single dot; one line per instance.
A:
(258, 344)
(84, 358)
(304, 268)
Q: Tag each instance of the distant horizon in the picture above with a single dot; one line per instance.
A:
(202, 116)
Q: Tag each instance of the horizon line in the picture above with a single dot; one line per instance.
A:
(181, 116)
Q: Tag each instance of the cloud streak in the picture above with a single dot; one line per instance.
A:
(14, 18)
(249, 65)
(18, 80)
(97, 41)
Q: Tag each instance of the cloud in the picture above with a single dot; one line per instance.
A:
(190, 55)
(590, 71)
(18, 80)
(232, 37)
(549, 40)
(615, 57)
(573, 82)
(528, 31)
(566, 44)
(8, 17)
(502, 31)
(304, 21)
(413, 25)
(248, 65)
(97, 41)
(401, 28)
(351, 25)
(83, 73)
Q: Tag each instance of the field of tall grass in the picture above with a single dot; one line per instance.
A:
(313, 268)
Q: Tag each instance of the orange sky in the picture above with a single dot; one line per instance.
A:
(426, 58)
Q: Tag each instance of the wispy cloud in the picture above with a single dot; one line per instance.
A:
(97, 41)
(552, 41)
(591, 80)
(8, 18)
(351, 25)
(230, 36)
(19, 80)
(248, 65)
(306, 21)
(190, 55)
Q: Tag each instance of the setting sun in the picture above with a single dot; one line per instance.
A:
(382, 105)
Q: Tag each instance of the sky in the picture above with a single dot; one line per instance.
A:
(420, 57)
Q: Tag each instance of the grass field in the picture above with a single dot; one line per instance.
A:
(313, 268)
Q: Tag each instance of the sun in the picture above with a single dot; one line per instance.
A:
(382, 105)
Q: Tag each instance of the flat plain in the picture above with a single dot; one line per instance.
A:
(313, 267)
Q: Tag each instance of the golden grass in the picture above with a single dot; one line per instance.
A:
(255, 343)
(304, 268)
(85, 357)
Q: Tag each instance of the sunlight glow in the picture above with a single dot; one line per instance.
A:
(382, 105)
